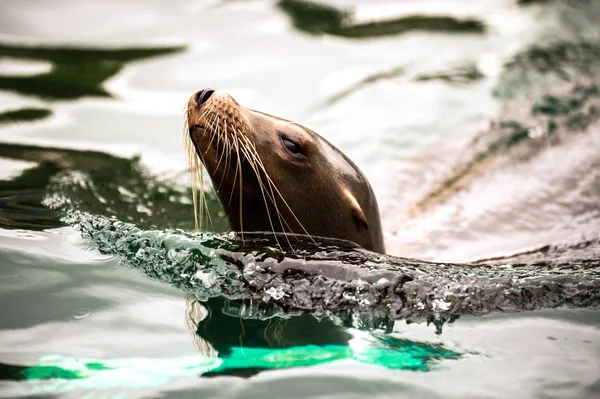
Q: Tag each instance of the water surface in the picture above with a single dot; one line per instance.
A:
(476, 123)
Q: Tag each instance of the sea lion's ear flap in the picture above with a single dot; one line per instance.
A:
(357, 211)
(360, 216)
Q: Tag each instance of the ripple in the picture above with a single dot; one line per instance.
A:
(81, 313)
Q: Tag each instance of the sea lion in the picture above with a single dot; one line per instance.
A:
(272, 174)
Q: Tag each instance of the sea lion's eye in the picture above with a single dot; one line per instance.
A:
(291, 146)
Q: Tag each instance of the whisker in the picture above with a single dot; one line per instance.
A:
(272, 195)
(280, 217)
(281, 195)
(261, 186)
(228, 141)
(239, 167)
(223, 150)
(227, 151)
(196, 169)
(213, 127)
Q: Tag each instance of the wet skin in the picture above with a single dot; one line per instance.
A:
(275, 175)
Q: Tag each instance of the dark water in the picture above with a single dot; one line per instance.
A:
(477, 124)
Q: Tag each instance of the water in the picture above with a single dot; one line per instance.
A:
(410, 104)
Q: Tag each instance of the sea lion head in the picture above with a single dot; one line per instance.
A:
(272, 174)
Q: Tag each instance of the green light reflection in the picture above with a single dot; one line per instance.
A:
(385, 351)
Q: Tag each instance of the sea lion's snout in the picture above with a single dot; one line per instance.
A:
(202, 96)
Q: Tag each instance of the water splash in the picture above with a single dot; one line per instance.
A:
(337, 277)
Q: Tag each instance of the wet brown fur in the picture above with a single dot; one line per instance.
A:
(263, 187)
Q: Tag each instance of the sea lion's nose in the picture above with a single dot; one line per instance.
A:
(202, 96)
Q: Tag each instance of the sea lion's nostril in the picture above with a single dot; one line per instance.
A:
(202, 96)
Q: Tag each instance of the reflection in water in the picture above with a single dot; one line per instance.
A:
(246, 346)
(243, 324)
(458, 75)
(317, 18)
(248, 342)
(195, 312)
(548, 66)
(556, 115)
(24, 115)
(365, 82)
(76, 72)
(57, 374)
(529, 180)
(107, 185)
